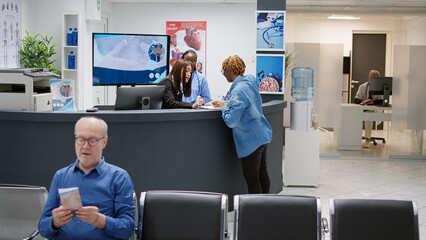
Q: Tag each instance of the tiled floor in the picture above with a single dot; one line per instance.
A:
(369, 173)
(375, 179)
(399, 144)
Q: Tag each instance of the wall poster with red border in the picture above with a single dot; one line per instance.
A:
(186, 35)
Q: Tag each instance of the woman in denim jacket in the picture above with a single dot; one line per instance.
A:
(242, 111)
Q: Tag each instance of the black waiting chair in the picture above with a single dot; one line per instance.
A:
(20, 210)
(183, 215)
(136, 234)
(273, 217)
(373, 219)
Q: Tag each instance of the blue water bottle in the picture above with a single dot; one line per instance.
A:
(75, 37)
(302, 88)
(69, 37)
(71, 60)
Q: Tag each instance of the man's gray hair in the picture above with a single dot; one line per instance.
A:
(104, 125)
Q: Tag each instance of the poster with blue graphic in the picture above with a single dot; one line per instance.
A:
(62, 95)
(270, 30)
(269, 71)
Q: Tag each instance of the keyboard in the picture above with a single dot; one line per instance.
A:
(105, 107)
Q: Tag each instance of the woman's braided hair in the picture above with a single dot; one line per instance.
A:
(234, 65)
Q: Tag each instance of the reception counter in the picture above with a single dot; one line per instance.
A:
(178, 149)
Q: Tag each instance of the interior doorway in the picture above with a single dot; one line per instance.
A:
(368, 52)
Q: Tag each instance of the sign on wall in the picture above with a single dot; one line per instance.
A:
(186, 35)
(269, 71)
(270, 59)
(270, 30)
(10, 33)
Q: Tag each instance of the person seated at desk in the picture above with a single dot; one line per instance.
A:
(178, 84)
(199, 86)
(106, 192)
(363, 97)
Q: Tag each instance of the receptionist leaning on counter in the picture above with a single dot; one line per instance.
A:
(178, 83)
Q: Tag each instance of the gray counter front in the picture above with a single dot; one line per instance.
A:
(175, 149)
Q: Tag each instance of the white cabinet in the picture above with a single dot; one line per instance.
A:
(73, 20)
(301, 162)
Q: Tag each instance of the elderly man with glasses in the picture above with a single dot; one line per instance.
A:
(106, 192)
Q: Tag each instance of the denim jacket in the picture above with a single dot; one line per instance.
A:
(244, 115)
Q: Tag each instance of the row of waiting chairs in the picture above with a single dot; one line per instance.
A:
(191, 215)
(186, 215)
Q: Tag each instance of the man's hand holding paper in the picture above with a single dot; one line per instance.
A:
(61, 216)
(71, 201)
(91, 215)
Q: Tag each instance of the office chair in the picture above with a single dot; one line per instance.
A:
(373, 219)
(20, 209)
(273, 217)
(374, 139)
(183, 215)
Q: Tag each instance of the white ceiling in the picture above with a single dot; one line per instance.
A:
(325, 6)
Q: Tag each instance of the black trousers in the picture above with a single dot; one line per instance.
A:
(255, 171)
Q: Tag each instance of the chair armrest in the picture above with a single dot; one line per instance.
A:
(324, 227)
(31, 236)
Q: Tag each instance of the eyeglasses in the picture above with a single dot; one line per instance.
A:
(92, 141)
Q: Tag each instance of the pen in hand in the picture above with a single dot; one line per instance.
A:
(199, 102)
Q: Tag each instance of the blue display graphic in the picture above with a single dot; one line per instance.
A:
(269, 70)
(129, 59)
(270, 30)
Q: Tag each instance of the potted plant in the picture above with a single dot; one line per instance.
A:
(37, 51)
(288, 62)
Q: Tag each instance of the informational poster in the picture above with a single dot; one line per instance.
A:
(186, 35)
(10, 33)
(270, 30)
(62, 95)
(270, 57)
(269, 71)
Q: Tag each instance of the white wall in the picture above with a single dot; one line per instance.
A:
(45, 17)
(231, 30)
(316, 28)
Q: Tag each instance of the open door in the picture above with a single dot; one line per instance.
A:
(368, 52)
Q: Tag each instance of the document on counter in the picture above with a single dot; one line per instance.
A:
(209, 107)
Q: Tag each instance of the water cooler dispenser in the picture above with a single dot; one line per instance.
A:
(301, 163)
(302, 90)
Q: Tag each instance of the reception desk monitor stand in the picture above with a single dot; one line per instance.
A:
(139, 97)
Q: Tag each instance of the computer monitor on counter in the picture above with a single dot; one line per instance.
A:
(381, 86)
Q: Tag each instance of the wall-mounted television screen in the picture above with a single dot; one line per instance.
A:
(129, 59)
